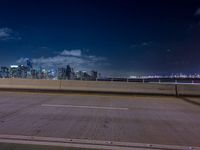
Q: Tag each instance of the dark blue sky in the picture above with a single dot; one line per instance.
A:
(115, 37)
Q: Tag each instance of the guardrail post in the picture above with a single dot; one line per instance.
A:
(60, 84)
(176, 90)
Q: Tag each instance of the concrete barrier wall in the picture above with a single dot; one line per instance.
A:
(129, 87)
(100, 86)
(189, 90)
(29, 84)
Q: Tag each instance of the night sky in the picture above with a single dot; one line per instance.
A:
(121, 38)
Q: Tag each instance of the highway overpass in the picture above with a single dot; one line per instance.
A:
(99, 121)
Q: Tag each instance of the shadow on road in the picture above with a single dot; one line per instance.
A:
(190, 101)
(9, 146)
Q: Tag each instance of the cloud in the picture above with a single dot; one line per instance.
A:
(197, 13)
(8, 34)
(75, 58)
(143, 44)
(195, 27)
(43, 47)
(168, 50)
(146, 43)
(72, 53)
(5, 33)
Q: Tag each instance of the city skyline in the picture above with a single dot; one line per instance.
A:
(119, 38)
(29, 70)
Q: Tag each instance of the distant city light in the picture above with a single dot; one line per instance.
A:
(14, 66)
(32, 71)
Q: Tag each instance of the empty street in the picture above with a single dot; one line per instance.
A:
(133, 119)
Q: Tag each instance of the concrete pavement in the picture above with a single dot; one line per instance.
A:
(133, 119)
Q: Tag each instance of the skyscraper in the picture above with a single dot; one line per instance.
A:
(29, 64)
(61, 73)
(68, 72)
(4, 72)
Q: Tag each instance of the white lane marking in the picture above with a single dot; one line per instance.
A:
(87, 107)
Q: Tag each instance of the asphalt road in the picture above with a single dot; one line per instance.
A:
(134, 119)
